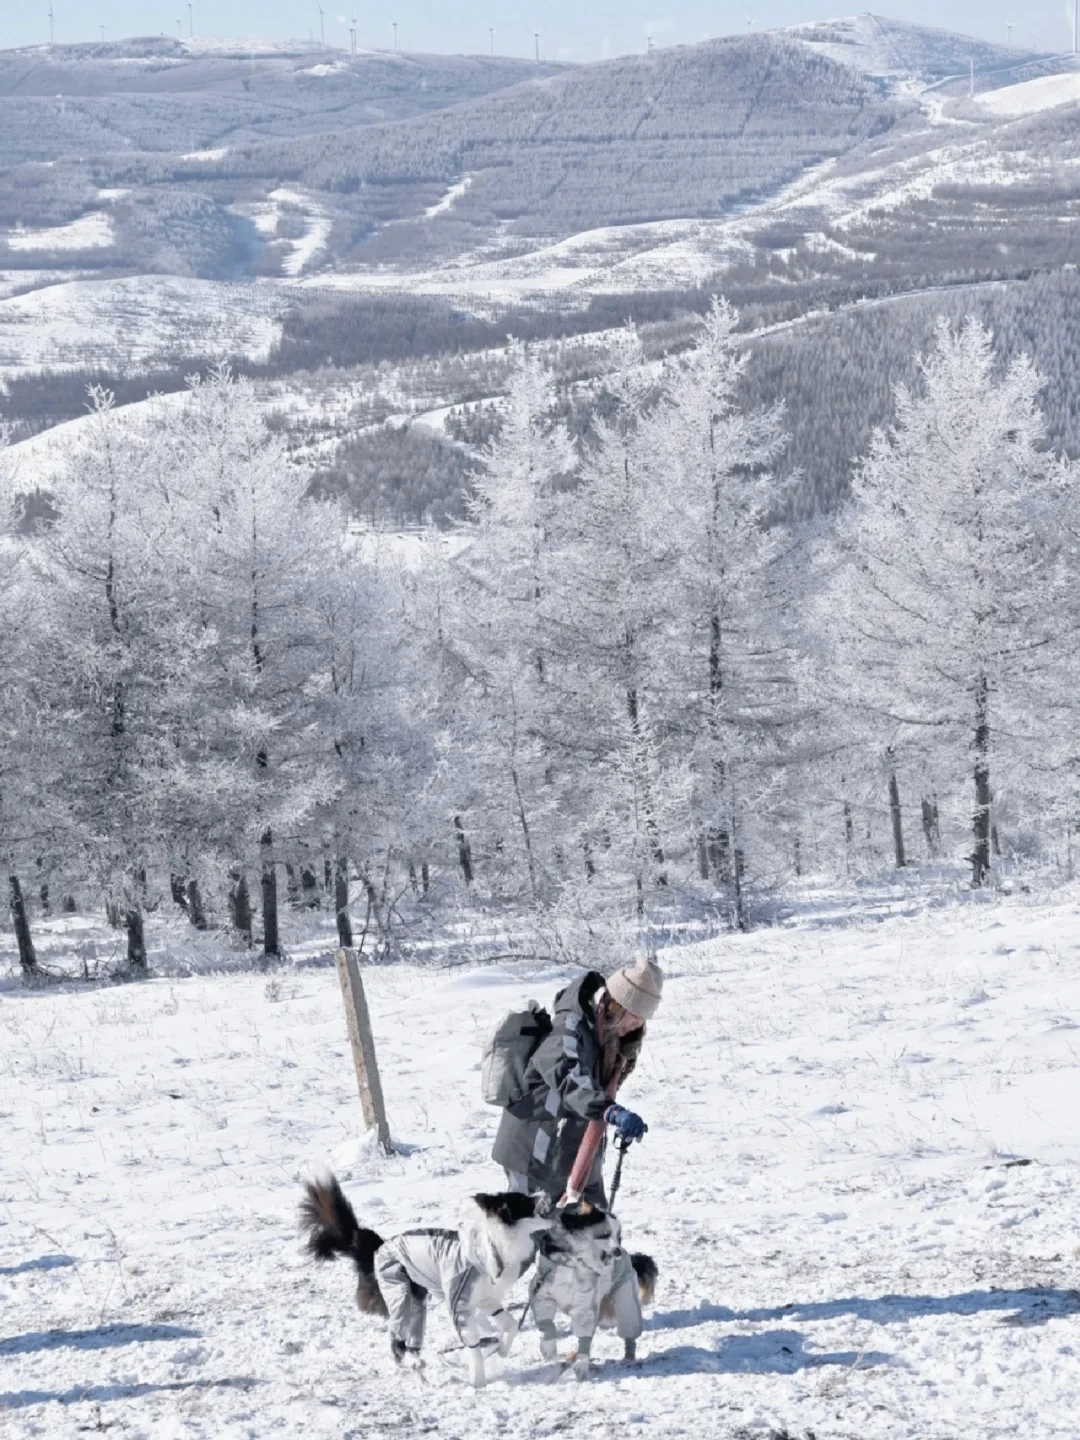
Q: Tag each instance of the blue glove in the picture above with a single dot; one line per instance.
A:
(628, 1125)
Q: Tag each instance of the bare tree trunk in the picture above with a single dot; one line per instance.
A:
(309, 888)
(240, 903)
(894, 811)
(464, 850)
(136, 941)
(271, 938)
(425, 880)
(292, 885)
(523, 821)
(43, 887)
(742, 920)
(341, 903)
(177, 890)
(27, 955)
(195, 908)
(652, 830)
(980, 857)
(112, 914)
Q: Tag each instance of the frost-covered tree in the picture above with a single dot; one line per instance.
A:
(612, 624)
(949, 612)
(731, 653)
(116, 655)
(496, 636)
(25, 831)
(254, 561)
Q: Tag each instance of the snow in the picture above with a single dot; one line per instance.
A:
(208, 155)
(89, 232)
(264, 215)
(136, 323)
(846, 1243)
(1033, 95)
(450, 199)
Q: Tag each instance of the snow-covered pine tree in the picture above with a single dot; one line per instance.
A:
(612, 624)
(730, 661)
(25, 812)
(496, 645)
(116, 656)
(948, 610)
(260, 558)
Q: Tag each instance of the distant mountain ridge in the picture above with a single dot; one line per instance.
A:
(876, 46)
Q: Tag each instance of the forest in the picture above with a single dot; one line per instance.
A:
(638, 684)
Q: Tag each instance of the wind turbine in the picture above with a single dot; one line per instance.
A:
(1009, 27)
(352, 32)
(491, 32)
(190, 19)
(394, 23)
(536, 37)
(1076, 23)
(103, 34)
(322, 25)
(52, 38)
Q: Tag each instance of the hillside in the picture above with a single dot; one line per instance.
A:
(808, 174)
(179, 95)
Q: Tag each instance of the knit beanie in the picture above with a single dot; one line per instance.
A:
(638, 987)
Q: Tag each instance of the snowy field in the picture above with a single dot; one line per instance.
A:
(136, 324)
(861, 1187)
(1031, 96)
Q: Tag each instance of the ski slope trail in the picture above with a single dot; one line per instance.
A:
(860, 1183)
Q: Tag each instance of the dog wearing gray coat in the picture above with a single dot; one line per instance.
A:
(472, 1269)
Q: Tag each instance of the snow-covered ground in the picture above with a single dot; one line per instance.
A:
(92, 231)
(861, 1185)
(1033, 95)
(136, 324)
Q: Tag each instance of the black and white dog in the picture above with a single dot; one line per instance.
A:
(472, 1268)
(584, 1273)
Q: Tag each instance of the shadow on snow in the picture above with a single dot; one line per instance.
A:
(1026, 1307)
(100, 1338)
(43, 1262)
(20, 1399)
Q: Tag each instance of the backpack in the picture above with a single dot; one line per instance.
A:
(507, 1054)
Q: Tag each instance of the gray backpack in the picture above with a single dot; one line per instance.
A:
(507, 1054)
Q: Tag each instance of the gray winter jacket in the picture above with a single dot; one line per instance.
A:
(540, 1134)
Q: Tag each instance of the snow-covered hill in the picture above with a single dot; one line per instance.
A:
(860, 1184)
(876, 45)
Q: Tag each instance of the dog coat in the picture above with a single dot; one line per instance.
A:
(448, 1264)
(568, 1284)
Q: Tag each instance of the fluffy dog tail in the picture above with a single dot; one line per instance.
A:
(646, 1272)
(328, 1221)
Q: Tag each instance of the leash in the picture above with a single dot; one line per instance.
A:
(622, 1146)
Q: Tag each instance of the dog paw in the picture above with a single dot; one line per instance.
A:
(407, 1357)
(508, 1329)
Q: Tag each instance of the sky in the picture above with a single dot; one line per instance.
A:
(569, 29)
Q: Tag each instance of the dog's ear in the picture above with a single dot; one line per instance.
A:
(509, 1208)
(585, 1217)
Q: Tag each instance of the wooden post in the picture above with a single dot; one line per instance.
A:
(363, 1045)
